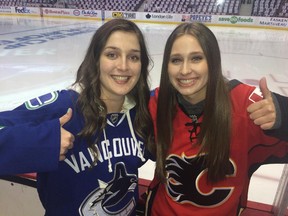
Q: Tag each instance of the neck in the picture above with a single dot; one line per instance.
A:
(114, 106)
(192, 110)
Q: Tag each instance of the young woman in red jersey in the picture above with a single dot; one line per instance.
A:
(206, 142)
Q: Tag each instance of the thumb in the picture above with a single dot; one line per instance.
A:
(264, 88)
(65, 118)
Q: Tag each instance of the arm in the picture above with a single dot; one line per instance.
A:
(29, 148)
(272, 106)
(270, 113)
(46, 107)
(34, 148)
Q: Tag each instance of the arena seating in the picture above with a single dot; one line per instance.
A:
(122, 5)
(268, 8)
(196, 6)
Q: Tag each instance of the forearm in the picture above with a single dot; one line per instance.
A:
(29, 148)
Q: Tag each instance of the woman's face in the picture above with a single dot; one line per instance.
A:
(188, 68)
(120, 65)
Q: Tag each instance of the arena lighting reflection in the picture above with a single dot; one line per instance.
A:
(220, 2)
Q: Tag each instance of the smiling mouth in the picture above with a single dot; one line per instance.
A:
(186, 81)
(120, 78)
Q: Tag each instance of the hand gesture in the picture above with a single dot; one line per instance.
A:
(263, 112)
(67, 138)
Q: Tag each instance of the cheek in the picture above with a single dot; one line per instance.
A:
(101, 65)
(138, 67)
(105, 66)
(205, 68)
(169, 70)
(206, 74)
(137, 77)
(172, 71)
(137, 70)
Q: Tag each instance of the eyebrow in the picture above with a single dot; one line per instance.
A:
(116, 48)
(191, 53)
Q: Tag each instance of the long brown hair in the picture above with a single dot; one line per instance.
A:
(88, 78)
(214, 138)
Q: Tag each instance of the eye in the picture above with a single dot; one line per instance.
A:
(134, 58)
(197, 58)
(111, 55)
(175, 60)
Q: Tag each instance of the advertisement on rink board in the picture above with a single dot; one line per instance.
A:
(51, 12)
(79, 13)
(5, 10)
(273, 21)
(241, 20)
(26, 10)
(149, 17)
(29, 11)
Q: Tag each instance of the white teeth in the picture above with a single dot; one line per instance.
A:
(120, 78)
(185, 81)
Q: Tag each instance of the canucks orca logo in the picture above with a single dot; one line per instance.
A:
(185, 178)
(114, 198)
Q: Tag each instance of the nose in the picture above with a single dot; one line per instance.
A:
(185, 69)
(123, 64)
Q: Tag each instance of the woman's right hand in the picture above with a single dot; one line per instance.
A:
(67, 138)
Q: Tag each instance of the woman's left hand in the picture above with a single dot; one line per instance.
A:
(263, 112)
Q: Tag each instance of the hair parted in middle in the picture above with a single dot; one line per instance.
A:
(214, 137)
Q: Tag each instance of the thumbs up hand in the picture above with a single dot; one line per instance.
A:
(67, 138)
(263, 112)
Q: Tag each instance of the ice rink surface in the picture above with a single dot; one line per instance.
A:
(41, 55)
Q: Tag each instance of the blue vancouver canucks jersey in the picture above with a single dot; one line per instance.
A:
(76, 187)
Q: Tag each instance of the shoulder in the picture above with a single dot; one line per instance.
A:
(154, 95)
(153, 101)
(154, 92)
(55, 98)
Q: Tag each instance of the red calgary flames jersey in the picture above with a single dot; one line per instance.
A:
(186, 191)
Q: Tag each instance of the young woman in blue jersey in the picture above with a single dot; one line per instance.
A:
(207, 144)
(31, 153)
(111, 124)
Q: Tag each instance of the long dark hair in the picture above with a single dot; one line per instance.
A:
(88, 78)
(214, 138)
